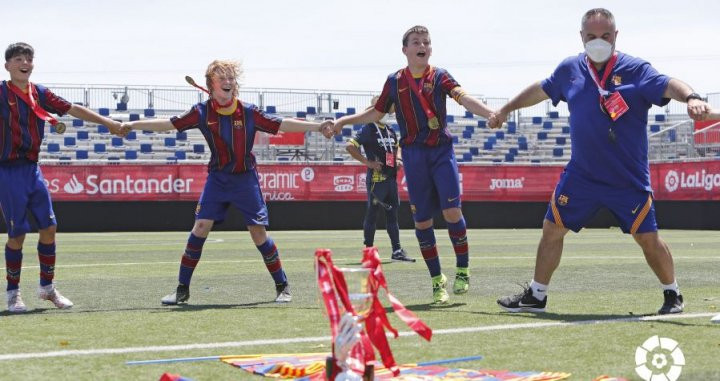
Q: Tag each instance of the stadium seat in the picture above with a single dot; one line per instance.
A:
(492, 139)
(350, 110)
(146, 148)
(338, 138)
(117, 141)
(536, 120)
(535, 161)
(99, 148)
(357, 127)
(149, 112)
(104, 111)
(497, 160)
(455, 139)
(53, 148)
(148, 132)
(83, 135)
(542, 135)
(654, 128)
(180, 155)
(547, 125)
(338, 159)
(449, 119)
(522, 139)
(500, 135)
(467, 134)
(488, 146)
(78, 122)
(170, 142)
(469, 115)
(101, 129)
(132, 135)
(513, 151)
(474, 151)
(81, 154)
(270, 109)
(522, 146)
(131, 155)
(482, 123)
(134, 117)
(467, 157)
(553, 114)
(347, 131)
(560, 140)
(566, 129)
(557, 152)
(70, 141)
(301, 114)
(283, 158)
(181, 136)
(198, 148)
(509, 157)
(339, 115)
(659, 117)
(113, 158)
(311, 110)
(470, 128)
(121, 106)
(511, 128)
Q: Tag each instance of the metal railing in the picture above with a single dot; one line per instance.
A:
(707, 141)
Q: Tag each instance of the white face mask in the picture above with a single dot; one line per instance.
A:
(598, 50)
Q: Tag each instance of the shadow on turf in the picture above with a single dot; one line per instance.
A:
(589, 318)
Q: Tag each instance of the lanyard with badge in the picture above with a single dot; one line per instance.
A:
(612, 104)
(387, 146)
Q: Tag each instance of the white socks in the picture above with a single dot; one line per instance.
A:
(672, 286)
(539, 290)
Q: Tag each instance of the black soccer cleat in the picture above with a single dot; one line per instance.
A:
(181, 295)
(522, 302)
(400, 255)
(673, 303)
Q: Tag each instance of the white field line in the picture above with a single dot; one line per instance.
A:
(236, 344)
(639, 258)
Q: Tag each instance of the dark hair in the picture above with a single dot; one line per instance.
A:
(597, 11)
(416, 29)
(17, 49)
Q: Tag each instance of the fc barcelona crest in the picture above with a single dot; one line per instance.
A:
(617, 80)
(563, 200)
(237, 124)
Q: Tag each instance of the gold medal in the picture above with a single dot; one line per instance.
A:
(60, 128)
(433, 123)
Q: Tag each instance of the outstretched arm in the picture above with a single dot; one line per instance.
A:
(157, 125)
(475, 106)
(532, 95)
(367, 116)
(679, 91)
(88, 115)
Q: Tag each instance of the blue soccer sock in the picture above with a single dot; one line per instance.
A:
(13, 266)
(190, 259)
(426, 239)
(458, 237)
(46, 255)
(271, 257)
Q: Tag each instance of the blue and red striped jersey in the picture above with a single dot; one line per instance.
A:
(21, 132)
(437, 85)
(230, 137)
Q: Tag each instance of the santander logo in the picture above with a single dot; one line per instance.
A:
(74, 186)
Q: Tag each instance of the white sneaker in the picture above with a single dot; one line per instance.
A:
(716, 319)
(14, 302)
(50, 293)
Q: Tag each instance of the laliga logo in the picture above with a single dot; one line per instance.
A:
(659, 359)
(672, 181)
(73, 186)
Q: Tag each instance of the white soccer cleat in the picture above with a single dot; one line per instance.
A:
(14, 302)
(50, 293)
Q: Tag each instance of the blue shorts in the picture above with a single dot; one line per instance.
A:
(22, 188)
(576, 200)
(432, 178)
(242, 190)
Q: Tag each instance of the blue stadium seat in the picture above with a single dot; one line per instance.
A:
(102, 129)
(522, 146)
(121, 106)
(467, 134)
(134, 117)
(338, 138)
(560, 140)
(81, 154)
(500, 135)
(492, 139)
(83, 135)
(270, 109)
(117, 141)
(522, 139)
(474, 151)
(338, 159)
(350, 110)
(482, 123)
(357, 127)
(659, 117)
(131, 154)
(99, 148)
(198, 148)
(536, 120)
(149, 112)
(65, 158)
(78, 122)
(53, 147)
(470, 128)
(104, 111)
(283, 158)
(311, 110)
(542, 135)
(132, 135)
(181, 136)
(339, 115)
(347, 131)
(509, 157)
(113, 158)
(497, 160)
(449, 119)
(467, 157)
(301, 114)
(514, 151)
(170, 142)
(469, 115)
(547, 125)
(566, 129)
(70, 141)
(180, 155)
(146, 148)
(535, 161)
(487, 146)
(654, 128)
(148, 132)
(455, 139)
(553, 114)
(511, 128)
(558, 152)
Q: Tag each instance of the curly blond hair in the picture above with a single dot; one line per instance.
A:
(224, 68)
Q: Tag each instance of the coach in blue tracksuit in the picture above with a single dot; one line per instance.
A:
(380, 144)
